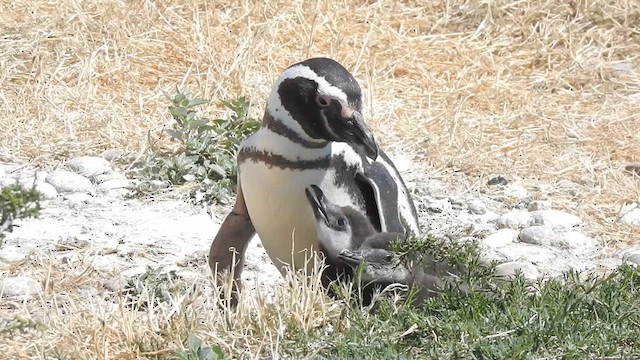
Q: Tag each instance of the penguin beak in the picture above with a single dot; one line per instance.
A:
(318, 202)
(350, 127)
(351, 258)
(362, 137)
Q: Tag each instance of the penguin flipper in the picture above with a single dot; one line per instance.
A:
(380, 192)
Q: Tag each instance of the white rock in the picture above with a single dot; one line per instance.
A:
(19, 287)
(89, 165)
(509, 269)
(477, 207)
(537, 235)
(631, 217)
(115, 184)
(27, 182)
(500, 238)
(112, 154)
(515, 219)
(10, 254)
(7, 181)
(526, 252)
(46, 190)
(118, 193)
(78, 199)
(515, 191)
(631, 255)
(539, 205)
(437, 206)
(555, 219)
(576, 241)
(633, 258)
(111, 175)
(106, 263)
(68, 182)
(41, 175)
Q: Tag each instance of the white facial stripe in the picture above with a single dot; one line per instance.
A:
(274, 104)
(324, 88)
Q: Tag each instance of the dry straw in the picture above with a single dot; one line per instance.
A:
(545, 91)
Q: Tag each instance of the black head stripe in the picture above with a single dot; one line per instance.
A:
(298, 96)
(338, 76)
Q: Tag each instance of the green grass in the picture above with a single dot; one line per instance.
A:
(573, 317)
(16, 203)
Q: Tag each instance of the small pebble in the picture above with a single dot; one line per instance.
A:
(402, 163)
(112, 154)
(631, 217)
(529, 271)
(22, 287)
(111, 175)
(537, 235)
(576, 241)
(633, 168)
(78, 199)
(532, 253)
(46, 190)
(500, 238)
(10, 254)
(515, 219)
(89, 165)
(633, 258)
(115, 184)
(539, 205)
(555, 219)
(516, 191)
(498, 180)
(477, 207)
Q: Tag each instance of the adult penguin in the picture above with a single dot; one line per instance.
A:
(312, 132)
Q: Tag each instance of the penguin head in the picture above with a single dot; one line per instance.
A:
(380, 265)
(321, 101)
(337, 227)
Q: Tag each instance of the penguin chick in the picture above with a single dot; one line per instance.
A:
(381, 267)
(337, 228)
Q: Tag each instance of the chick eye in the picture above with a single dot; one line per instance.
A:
(388, 258)
(323, 101)
(341, 222)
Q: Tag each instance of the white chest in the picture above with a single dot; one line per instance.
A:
(280, 210)
(277, 204)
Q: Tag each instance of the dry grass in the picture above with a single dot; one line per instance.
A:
(544, 91)
(541, 90)
(73, 325)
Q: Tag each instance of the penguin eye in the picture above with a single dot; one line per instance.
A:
(388, 258)
(322, 100)
(341, 222)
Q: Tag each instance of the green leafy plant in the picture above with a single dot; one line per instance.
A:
(17, 203)
(154, 286)
(197, 351)
(18, 325)
(206, 156)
